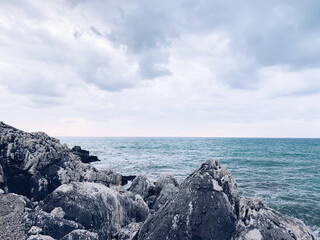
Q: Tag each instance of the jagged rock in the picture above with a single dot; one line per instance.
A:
(143, 186)
(166, 187)
(208, 206)
(115, 179)
(258, 221)
(98, 208)
(84, 155)
(53, 226)
(34, 164)
(164, 180)
(203, 208)
(40, 237)
(81, 235)
(12, 216)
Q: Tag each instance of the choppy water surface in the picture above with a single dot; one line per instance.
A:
(285, 173)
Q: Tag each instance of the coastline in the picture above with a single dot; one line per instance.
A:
(53, 172)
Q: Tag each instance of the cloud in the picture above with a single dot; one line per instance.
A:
(182, 66)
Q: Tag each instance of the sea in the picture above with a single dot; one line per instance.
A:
(284, 173)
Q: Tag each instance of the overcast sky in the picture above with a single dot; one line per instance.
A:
(161, 68)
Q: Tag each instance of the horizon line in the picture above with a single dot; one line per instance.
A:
(182, 137)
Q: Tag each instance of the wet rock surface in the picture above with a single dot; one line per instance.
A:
(48, 192)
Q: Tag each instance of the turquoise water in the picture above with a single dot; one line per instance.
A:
(285, 173)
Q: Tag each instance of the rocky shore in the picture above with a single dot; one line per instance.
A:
(48, 191)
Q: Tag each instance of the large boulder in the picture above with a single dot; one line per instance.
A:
(99, 209)
(205, 207)
(34, 164)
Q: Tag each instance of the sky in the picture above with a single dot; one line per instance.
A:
(200, 68)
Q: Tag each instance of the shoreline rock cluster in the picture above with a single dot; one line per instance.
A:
(48, 191)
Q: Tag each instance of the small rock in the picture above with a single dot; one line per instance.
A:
(58, 212)
(35, 230)
(81, 235)
(143, 186)
(165, 179)
(84, 155)
(1, 191)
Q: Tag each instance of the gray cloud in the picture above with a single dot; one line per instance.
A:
(48, 48)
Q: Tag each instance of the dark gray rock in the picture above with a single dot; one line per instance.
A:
(81, 235)
(202, 209)
(98, 208)
(125, 179)
(34, 164)
(84, 155)
(143, 186)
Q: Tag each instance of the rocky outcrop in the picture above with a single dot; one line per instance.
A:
(34, 164)
(84, 155)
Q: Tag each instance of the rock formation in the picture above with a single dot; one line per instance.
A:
(48, 193)
(84, 155)
(34, 164)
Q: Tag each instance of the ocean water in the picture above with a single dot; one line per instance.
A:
(285, 173)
